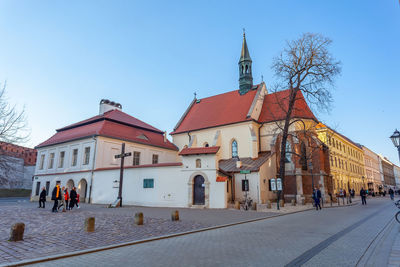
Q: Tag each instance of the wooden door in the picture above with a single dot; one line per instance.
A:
(198, 188)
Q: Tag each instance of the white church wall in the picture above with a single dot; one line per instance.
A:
(238, 131)
(170, 187)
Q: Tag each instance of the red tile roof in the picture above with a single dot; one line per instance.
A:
(232, 107)
(115, 115)
(107, 125)
(276, 104)
(227, 108)
(199, 150)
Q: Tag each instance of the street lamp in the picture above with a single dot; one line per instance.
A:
(396, 140)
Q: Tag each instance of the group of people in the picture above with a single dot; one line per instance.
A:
(61, 197)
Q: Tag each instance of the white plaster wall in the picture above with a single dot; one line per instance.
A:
(239, 131)
(63, 178)
(67, 148)
(108, 148)
(254, 186)
(170, 188)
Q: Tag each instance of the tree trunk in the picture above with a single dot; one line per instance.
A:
(292, 100)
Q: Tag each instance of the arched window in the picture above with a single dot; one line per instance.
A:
(206, 144)
(234, 149)
(198, 163)
(247, 69)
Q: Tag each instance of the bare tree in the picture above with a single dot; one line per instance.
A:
(13, 126)
(13, 129)
(304, 65)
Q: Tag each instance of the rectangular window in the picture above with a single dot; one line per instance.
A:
(47, 188)
(155, 158)
(245, 185)
(61, 159)
(37, 188)
(87, 156)
(51, 160)
(74, 157)
(136, 158)
(41, 162)
(148, 183)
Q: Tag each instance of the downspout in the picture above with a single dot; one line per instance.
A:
(92, 173)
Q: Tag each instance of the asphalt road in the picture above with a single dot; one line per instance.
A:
(344, 236)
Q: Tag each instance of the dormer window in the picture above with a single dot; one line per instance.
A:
(234, 149)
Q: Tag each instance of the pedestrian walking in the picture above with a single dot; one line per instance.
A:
(363, 196)
(66, 197)
(319, 196)
(62, 201)
(72, 196)
(56, 196)
(316, 199)
(391, 193)
(42, 198)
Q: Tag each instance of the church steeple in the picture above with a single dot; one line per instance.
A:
(245, 72)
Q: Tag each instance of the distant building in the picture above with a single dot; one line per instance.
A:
(346, 160)
(388, 173)
(372, 170)
(17, 165)
(397, 176)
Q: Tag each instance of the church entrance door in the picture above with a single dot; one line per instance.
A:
(198, 188)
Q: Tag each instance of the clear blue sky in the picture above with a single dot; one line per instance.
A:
(61, 57)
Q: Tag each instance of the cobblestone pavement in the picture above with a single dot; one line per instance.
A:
(330, 237)
(48, 233)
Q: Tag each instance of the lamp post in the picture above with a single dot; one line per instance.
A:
(396, 140)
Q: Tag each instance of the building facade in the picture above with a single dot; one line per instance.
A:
(388, 177)
(372, 170)
(346, 160)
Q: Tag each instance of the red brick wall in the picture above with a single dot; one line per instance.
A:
(28, 154)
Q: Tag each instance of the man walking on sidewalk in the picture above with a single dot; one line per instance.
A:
(317, 198)
(363, 196)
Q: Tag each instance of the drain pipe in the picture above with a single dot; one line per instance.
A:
(93, 164)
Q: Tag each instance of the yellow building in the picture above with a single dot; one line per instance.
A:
(346, 159)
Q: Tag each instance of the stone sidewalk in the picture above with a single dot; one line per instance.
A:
(49, 234)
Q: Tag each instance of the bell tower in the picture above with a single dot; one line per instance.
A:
(245, 71)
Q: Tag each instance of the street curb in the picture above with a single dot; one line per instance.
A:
(147, 240)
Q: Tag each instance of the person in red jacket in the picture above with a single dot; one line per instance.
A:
(66, 197)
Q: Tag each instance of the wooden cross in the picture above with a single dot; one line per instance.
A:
(121, 172)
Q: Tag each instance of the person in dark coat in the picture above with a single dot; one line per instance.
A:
(72, 197)
(316, 198)
(42, 198)
(363, 196)
(56, 196)
(391, 193)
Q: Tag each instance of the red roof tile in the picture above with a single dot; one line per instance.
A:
(227, 108)
(114, 115)
(276, 104)
(110, 128)
(199, 150)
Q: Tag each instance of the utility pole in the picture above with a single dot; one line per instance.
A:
(121, 172)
